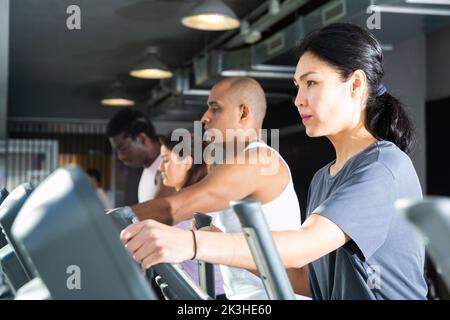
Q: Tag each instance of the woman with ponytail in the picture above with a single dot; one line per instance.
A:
(353, 244)
(371, 252)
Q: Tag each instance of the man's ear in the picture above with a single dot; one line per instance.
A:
(143, 138)
(244, 112)
(358, 83)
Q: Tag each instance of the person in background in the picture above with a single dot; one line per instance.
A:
(179, 171)
(133, 136)
(95, 178)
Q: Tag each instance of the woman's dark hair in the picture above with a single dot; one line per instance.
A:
(130, 122)
(198, 170)
(348, 48)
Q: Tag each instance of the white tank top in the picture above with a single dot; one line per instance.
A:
(282, 213)
(147, 183)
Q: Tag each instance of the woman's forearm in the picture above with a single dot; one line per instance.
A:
(317, 237)
(228, 249)
(232, 249)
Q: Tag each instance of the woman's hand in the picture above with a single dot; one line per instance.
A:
(150, 242)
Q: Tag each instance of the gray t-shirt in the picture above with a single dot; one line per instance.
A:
(384, 258)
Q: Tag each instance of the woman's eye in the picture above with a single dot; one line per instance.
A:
(310, 83)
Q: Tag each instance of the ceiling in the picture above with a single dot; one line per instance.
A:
(59, 73)
(53, 69)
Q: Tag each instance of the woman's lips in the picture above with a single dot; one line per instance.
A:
(305, 118)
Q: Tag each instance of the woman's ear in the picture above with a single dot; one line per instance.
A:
(358, 83)
(244, 112)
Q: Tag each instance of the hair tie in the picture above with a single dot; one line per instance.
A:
(381, 90)
(195, 245)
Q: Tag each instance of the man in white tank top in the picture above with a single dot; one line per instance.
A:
(133, 136)
(257, 172)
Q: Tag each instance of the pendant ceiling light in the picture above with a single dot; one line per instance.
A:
(211, 15)
(151, 67)
(118, 97)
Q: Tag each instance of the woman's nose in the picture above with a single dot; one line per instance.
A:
(300, 100)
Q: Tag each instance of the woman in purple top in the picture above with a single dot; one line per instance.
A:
(180, 171)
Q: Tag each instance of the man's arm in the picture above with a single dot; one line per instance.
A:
(223, 184)
(213, 193)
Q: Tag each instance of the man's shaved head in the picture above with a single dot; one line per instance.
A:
(246, 91)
